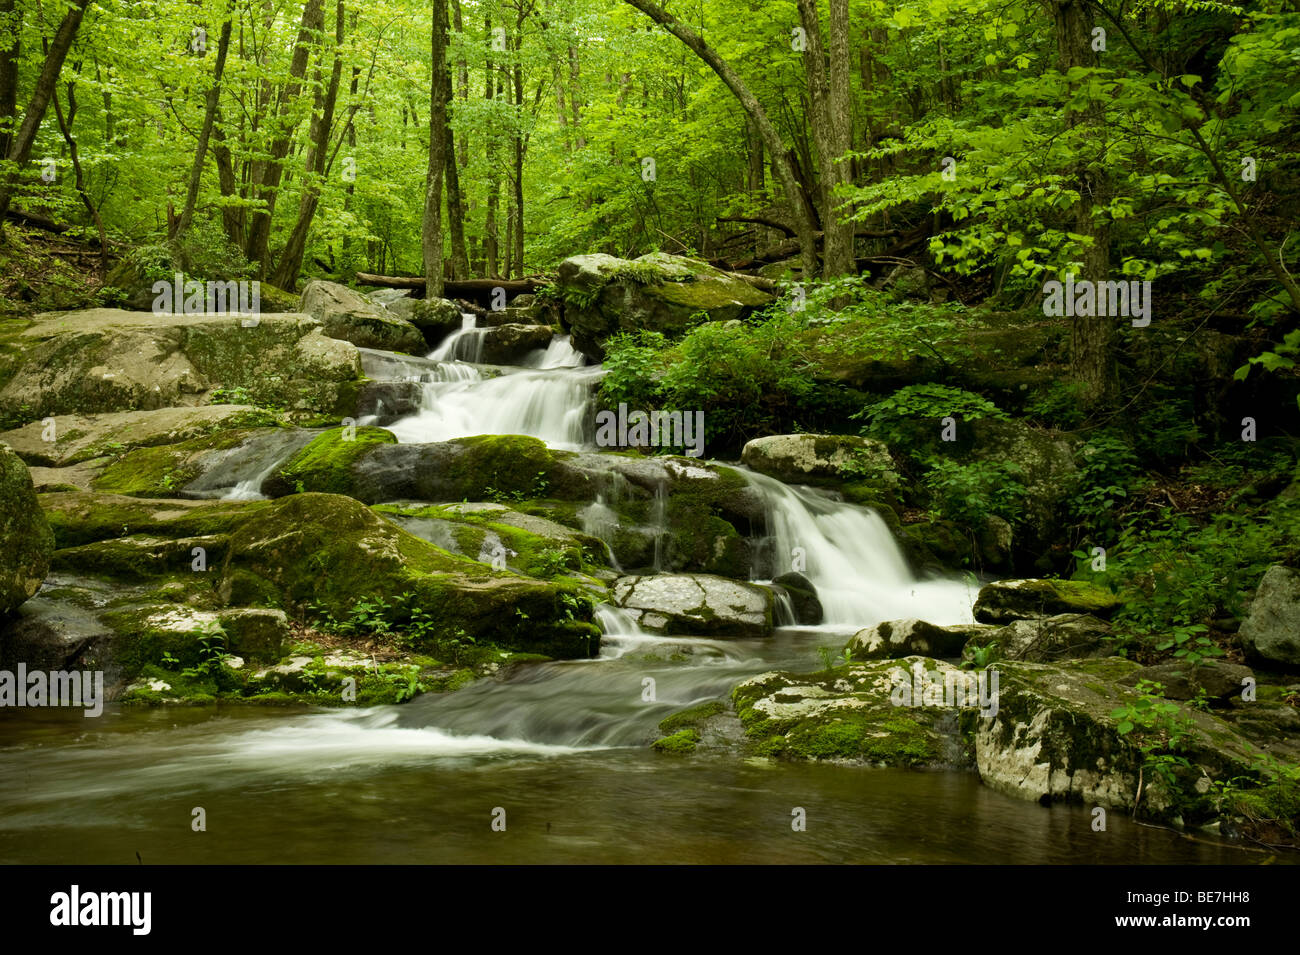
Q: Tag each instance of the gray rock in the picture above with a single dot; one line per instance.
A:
(803, 598)
(350, 316)
(822, 459)
(1271, 631)
(257, 633)
(698, 604)
(902, 638)
(1182, 680)
(1045, 639)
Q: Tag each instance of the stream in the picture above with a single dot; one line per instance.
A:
(561, 747)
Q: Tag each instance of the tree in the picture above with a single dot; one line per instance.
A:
(431, 229)
(212, 99)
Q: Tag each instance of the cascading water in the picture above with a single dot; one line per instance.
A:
(464, 344)
(849, 555)
(238, 474)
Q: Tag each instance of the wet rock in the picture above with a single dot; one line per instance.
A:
(508, 344)
(1045, 639)
(1183, 681)
(823, 459)
(436, 318)
(803, 598)
(698, 604)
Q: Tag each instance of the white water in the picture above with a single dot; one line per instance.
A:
(851, 558)
(465, 344)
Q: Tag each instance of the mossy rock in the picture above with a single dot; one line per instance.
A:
(681, 743)
(1006, 600)
(26, 542)
(164, 470)
(325, 464)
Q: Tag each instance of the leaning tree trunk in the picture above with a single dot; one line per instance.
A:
(286, 273)
(431, 233)
(9, 57)
(209, 115)
(20, 146)
(805, 221)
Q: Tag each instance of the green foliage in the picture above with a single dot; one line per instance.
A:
(970, 493)
(1160, 729)
(892, 419)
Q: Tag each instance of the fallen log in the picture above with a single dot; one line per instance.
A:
(457, 288)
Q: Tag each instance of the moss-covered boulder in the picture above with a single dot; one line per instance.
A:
(805, 605)
(1220, 681)
(698, 604)
(1064, 636)
(324, 464)
(349, 316)
(602, 294)
(824, 459)
(857, 713)
(436, 318)
(102, 360)
(26, 542)
(1006, 600)
(328, 552)
(68, 439)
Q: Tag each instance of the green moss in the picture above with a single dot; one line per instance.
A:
(324, 464)
(162, 471)
(679, 744)
(690, 717)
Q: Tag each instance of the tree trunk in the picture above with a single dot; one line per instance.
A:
(829, 92)
(518, 177)
(286, 273)
(490, 242)
(431, 232)
(804, 216)
(20, 146)
(259, 231)
(9, 57)
(462, 83)
(1091, 361)
(209, 115)
(65, 127)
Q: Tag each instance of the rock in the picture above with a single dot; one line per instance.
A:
(323, 464)
(822, 459)
(1045, 639)
(1006, 600)
(255, 632)
(1182, 681)
(54, 632)
(696, 604)
(508, 344)
(77, 438)
(330, 552)
(603, 294)
(903, 638)
(436, 318)
(1271, 631)
(26, 542)
(803, 598)
(1046, 468)
(347, 315)
(388, 401)
(102, 360)
(858, 713)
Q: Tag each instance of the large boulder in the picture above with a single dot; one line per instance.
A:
(68, 439)
(904, 638)
(1271, 631)
(25, 539)
(823, 459)
(1003, 601)
(696, 604)
(1184, 681)
(509, 344)
(350, 316)
(101, 360)
(603, 294)
(1042, 639)
(436, 318)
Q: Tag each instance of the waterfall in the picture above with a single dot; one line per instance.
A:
(853, 561)
(465, 344)
(238, 473)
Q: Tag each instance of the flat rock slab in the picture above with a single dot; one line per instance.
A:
(696, 604)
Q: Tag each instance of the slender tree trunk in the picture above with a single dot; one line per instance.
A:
(20, 146)
(65, 127)
(462, 81)
(829, 93)
(803, 214)
(286, 273)
(267, 189)
(209, 115)
(490, 243)
(431, 232)
(11, 17)
(575, 108)
(455, 200)
(518, 203)
(1091, 360)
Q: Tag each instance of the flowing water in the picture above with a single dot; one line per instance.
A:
(560, 747)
